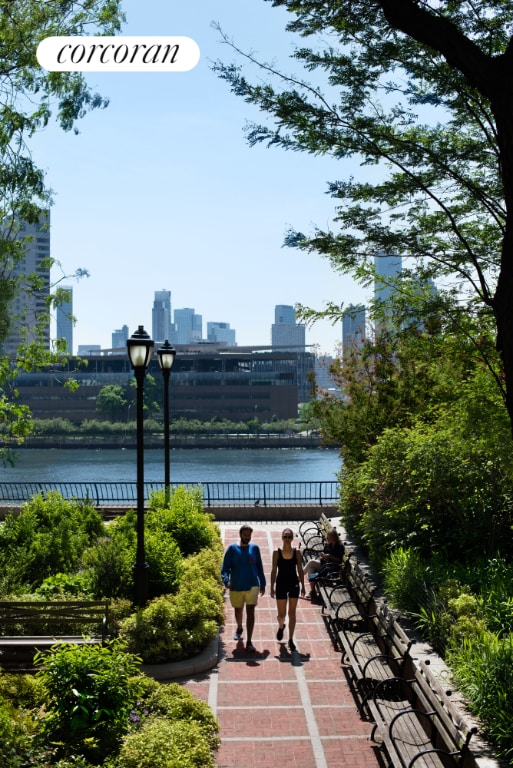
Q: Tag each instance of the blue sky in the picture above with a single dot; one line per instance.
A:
(161, 190)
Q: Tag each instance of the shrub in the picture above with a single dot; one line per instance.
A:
(183, 517)
(63, 585)
(164, 560)
(164, 744)
(175, 627)
(47, 537)
(483, 669)
(177, 703)
(90, 690)
(431, 489)
(406, 579)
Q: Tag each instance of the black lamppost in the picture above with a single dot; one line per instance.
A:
(166, 355)
(140, 348)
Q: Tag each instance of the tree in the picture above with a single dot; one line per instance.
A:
(111, 401)
(29, 98)
(420, 91)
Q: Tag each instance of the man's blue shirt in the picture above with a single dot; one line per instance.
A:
(242, 567)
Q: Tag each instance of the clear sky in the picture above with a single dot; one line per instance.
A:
(161, 191)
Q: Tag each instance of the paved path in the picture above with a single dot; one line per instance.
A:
(278, 709)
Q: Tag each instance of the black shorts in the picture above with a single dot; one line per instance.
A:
(287, 590)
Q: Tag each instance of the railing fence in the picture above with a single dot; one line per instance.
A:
(241, 494)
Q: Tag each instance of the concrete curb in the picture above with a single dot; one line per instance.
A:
(188, 667)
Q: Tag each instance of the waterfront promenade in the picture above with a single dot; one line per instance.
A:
(279, 709)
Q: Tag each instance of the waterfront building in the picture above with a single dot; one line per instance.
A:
(388, 268)
(324, 380)
(353, 327)
(162, 327)
(64, 319)
(207, 382)
(285, 332)
(120, 337)
(28, 309)
(188, 325)
(86, 350)
(221, 332)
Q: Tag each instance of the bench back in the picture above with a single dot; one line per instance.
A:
(392, 639)
(451, 730)
(54, 618)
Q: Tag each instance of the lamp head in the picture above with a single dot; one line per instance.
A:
(140, 348)
(166, 355)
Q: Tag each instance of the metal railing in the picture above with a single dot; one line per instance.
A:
(235, 494)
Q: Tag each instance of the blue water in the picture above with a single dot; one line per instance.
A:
(186, 466)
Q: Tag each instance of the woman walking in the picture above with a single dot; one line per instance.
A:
(286, 574)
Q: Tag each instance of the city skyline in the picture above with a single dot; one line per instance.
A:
(161, 188)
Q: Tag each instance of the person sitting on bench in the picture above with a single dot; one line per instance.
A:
(329, 560)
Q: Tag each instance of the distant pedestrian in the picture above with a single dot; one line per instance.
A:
(286, 574)
(329, 560)
(242, 573)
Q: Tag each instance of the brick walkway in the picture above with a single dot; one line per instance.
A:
(279, 709)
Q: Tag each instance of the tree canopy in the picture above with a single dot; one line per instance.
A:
(29, 98)
(419, 92)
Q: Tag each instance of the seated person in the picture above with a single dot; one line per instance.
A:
(330, 558)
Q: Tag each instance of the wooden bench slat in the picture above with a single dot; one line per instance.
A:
(28, 626)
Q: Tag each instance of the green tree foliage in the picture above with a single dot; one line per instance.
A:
(183, 517)
(418, 93)
(29, 98)
(111, 401)
(90, 690)
(47, 537)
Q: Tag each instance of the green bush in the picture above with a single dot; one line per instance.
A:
(177, 703)
(90, 690)
(183, 516)
(47, 537)
(164, 744)
(174, 627)
(483, 669)
(164, 560)
(430, 489)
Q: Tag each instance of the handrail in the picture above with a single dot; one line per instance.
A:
(252, 493)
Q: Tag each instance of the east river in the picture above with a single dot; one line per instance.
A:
(186, 466)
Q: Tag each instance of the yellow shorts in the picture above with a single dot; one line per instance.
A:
(249, 597)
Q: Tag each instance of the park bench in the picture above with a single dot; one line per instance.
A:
(313, 532)
(374, 650)
(29, 626)
(417, 723)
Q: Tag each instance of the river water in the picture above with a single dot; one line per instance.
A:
(186, 466)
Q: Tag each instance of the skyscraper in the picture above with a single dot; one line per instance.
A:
(120, 337)
(188, 325)
(285, 332)
(221, 332)
(162, 327)
(353, 327)
(29, 306)
(388, 267)
(64, 320)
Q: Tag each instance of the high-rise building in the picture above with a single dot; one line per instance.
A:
(29, 307)
(353, 327)
(188, 325)
(120, 337)
(162, 327)
(285, 332)
(221, 332)
(388, 267)
(88, 350)
(64, 320)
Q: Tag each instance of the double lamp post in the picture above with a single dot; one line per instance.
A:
(140, 351)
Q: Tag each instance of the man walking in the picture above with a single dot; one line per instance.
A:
(242, 573)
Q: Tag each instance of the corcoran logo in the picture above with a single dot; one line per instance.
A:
(118, 54)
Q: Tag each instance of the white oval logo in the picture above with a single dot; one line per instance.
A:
(118, 54)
